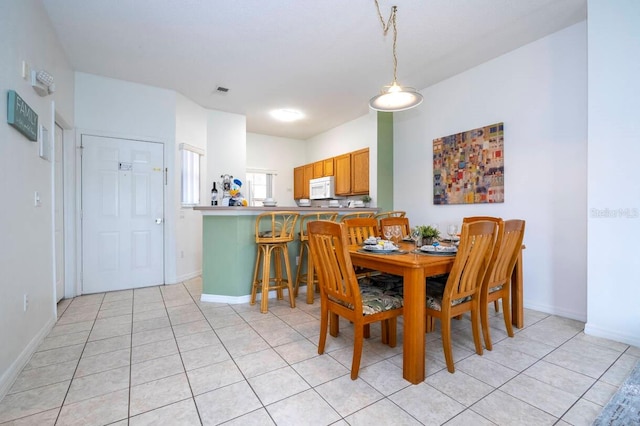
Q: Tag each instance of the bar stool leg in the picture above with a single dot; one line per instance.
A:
(301, 277)
(256, 280)
(264, 301)
(311, 279)
(277, 260)
(285, 254)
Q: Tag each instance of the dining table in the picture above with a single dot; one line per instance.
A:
(415, 266)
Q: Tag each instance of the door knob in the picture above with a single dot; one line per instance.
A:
(158, 220)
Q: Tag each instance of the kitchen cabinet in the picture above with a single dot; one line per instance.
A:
(351, 172)
(308, 175)
(342, 165)
(360, 171)
(328, 167)
(318, 169)
(301, 177)
(298, 183)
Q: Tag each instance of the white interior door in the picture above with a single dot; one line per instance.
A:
(58, 215)
(122, 214)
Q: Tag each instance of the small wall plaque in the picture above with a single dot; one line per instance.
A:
(21, 116)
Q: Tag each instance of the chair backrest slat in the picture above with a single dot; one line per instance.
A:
(359, 229)
(328, 246)
(505, 255)
(402, 222)
(477, 241)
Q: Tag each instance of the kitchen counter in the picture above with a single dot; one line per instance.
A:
(254, 211)
(229, 248)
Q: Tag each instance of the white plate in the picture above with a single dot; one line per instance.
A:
(439, 249)
(375, 249)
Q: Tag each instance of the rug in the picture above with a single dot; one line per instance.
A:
(624, 407)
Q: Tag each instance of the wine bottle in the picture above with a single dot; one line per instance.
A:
(214, 195)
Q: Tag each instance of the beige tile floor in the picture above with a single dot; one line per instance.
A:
(160, 356)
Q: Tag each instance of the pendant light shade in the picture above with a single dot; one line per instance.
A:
(394, 97)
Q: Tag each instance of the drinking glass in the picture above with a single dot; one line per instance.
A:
(452, 231)
(397, 234)
(416, 234)
(388, 232)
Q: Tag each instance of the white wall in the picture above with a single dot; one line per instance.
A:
(226, 146)
(280, 155)
(614, 198)
(191, 129)
(26, 257)
(539, 92)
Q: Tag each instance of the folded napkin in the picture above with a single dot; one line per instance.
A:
(372, 240)
(382, 245)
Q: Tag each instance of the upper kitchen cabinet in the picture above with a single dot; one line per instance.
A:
(318, 169)
(301, 177)
(351, 172)
(343, 174)
(327, 167)
(360, 171)
(298, 183)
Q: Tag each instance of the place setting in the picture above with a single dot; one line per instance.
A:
(376, 245)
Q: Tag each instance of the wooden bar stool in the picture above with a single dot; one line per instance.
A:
(303, 277)
(274, 230)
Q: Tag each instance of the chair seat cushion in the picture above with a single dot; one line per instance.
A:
(496, 288)
(375, 300)
(435, 291)
(386, 282)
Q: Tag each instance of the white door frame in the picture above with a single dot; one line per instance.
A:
(73, 206)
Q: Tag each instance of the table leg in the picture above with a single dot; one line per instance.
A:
(413, 364)
(517, 308)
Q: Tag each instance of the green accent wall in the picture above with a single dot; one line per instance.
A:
(229, 255)
(384, 197)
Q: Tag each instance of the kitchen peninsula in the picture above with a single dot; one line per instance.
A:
(229, 248)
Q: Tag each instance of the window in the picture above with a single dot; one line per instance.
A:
(260, 186)
(190, 174)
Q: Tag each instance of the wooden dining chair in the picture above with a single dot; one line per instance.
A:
(392, 213)
(496, 285)
(393, 222)
(341, 296)
(499, 222)
(461, 293)
(360, 228)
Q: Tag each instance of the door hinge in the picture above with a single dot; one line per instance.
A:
(166, 176)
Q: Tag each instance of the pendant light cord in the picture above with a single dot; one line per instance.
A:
(391, 22)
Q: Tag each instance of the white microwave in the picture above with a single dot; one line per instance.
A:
(322, 188)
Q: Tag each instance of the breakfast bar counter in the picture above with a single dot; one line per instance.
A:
(229, 248)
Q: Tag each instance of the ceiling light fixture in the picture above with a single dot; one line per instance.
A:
(286, 115)
(394, 97)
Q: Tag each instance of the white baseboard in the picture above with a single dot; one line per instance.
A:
(232, 300)
(615, 335)
(9, 377)
(554, 310)
(187, 277)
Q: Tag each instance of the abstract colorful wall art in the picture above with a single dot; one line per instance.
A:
(468, 167)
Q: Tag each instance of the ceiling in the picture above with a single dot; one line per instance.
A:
(326, 58)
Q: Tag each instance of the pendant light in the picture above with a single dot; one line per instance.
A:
(394, 97)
